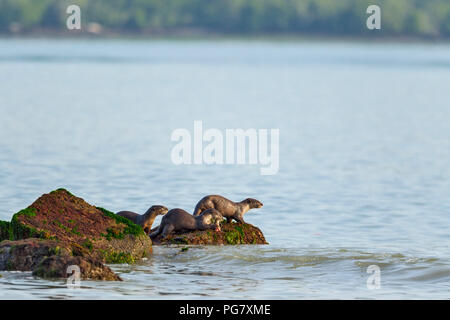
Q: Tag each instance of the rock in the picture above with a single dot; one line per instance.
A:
(48, 260)
(57, 267)
(88, 230)
(63, 220)
(59, 230)
(4, 230)
(231, 234)
(25, 255)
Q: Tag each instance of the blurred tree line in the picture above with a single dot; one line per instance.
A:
(419, 18)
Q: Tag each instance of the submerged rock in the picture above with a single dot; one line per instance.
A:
(62, 220)
(57, 267)
(230, 234)
(25, 255)
(49, 260)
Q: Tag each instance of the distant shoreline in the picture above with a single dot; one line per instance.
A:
(207, 36)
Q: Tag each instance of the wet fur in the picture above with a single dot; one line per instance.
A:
(145, 220)
(229, 209)
(180, 220)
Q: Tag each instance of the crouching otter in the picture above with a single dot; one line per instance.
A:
(145, 220)
(228, 209)
(178, 219)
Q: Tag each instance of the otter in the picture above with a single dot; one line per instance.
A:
(146, 220)
(179, 219)
(229, 209)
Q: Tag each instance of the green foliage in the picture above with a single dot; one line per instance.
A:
(44, 272)
(30, 212)
(60, 225)
(113, 233)
(55, 251)
(4, 230)
(232, 237)
(19, 231)
(61, 189)
(75, 231)
(119, 257)
(130, 228)
(329, 17)
(179, 240)
(88, 244)
(235, 236)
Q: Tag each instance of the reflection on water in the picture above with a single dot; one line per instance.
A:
(364, 153)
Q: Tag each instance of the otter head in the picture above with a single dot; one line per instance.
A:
(157, 210)
(213, 218)
(253, 203)
(150, 216)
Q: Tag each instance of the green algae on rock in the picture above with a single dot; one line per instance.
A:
(4, 230)
(78, 229)
(62, 216)
(131, 228)
(46, 259)
(25, 255)
(230, 234)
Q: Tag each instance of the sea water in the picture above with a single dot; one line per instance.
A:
(364, 153)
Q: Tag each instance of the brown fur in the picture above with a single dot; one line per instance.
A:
(179, 219)
(229, 209)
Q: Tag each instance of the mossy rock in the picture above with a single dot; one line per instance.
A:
(25, 255)
(230, 234)
(47, 259)
(84, 230)
(4, 230)
(64, 217)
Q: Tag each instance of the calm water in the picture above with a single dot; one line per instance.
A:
(364, 173)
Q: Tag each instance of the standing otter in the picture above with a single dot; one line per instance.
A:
(146, 220)
(229, 209)
(178, 219)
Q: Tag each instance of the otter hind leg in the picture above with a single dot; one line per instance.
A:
(239, 218)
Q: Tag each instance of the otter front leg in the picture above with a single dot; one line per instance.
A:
(167, 230)
(239, 218)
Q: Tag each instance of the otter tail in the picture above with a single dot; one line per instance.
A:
(197, 211)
